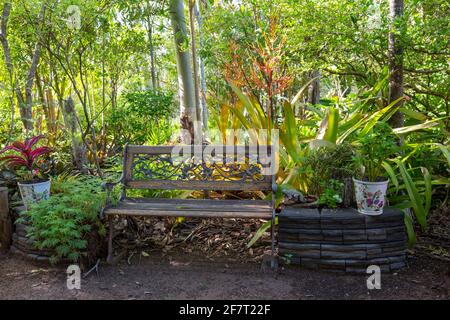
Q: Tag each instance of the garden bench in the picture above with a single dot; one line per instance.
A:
(196, 167)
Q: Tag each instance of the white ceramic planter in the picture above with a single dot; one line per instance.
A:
(370, 196)
(34, 192)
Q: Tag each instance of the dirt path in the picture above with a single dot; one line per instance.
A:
(186, 277)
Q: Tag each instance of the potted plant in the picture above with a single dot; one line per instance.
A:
(371, 184)
(34, 187)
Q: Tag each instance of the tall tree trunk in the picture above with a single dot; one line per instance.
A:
(78, 148)
(202, 67)
(42, 99)
(188, 112)
(25, 103)
(395, 56)
(194, 61)
(27, 116)
(7, 56)
(314, 88)
(152, 52)
(52, 121)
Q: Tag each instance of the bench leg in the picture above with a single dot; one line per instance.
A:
(273, 262)
(109, 259)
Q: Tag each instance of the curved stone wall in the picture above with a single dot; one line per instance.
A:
(342, 240)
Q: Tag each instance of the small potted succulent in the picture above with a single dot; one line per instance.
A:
(373, 149)
(27, 163)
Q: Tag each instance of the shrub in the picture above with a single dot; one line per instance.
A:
(64, 221)
(332, 193)
(143, 117)
(325, 164)
(373, 149)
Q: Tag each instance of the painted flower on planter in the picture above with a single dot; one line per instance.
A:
(372, 200)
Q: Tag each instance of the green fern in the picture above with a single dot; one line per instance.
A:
(61, 222)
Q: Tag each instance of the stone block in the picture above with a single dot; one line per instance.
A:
(332, 264)
(299, 246)
(332, 235)
(354, 254)
(376, 234)
(290, 213)
(374, 253)
(287, 237)
(310, 235)
(309, 263)
(355, 270)
(395, 259)
(354, 235)
(344, 247)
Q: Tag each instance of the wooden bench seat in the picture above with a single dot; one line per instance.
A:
(201, 208)
(206, 168)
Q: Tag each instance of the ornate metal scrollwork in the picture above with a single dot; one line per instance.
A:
(164, 167)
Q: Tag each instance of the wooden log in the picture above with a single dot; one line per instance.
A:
(5, 221)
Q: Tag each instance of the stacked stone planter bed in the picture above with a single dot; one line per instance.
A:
(342, 240)
(24, 246)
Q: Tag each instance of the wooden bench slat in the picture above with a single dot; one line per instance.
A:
(201, 201)
(189, 205)
(192, 208)
(199, 214)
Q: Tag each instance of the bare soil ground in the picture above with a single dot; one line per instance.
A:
(192, 276)
(209, 260)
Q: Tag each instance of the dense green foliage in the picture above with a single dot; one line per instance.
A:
(375, 147)
(316, 70)
(332, 193)
(143, 117)
(323, 165)
(63, 222)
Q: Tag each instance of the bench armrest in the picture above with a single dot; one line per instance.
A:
(108, 187)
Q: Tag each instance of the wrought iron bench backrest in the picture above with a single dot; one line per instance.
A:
(199, 167)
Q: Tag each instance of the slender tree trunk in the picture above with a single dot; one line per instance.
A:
(78, 148)
(194, 61)
(25, 103)
(52, 120)
(113, 94)
(7, 56)
(202, 68)
(43, 100)
(13, 112)
(314, 88)
(188, 113)
(28, 111)
(103, 135)
(152, 52)
(395, 56)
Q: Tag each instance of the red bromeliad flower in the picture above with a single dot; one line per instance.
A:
(27, 156)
